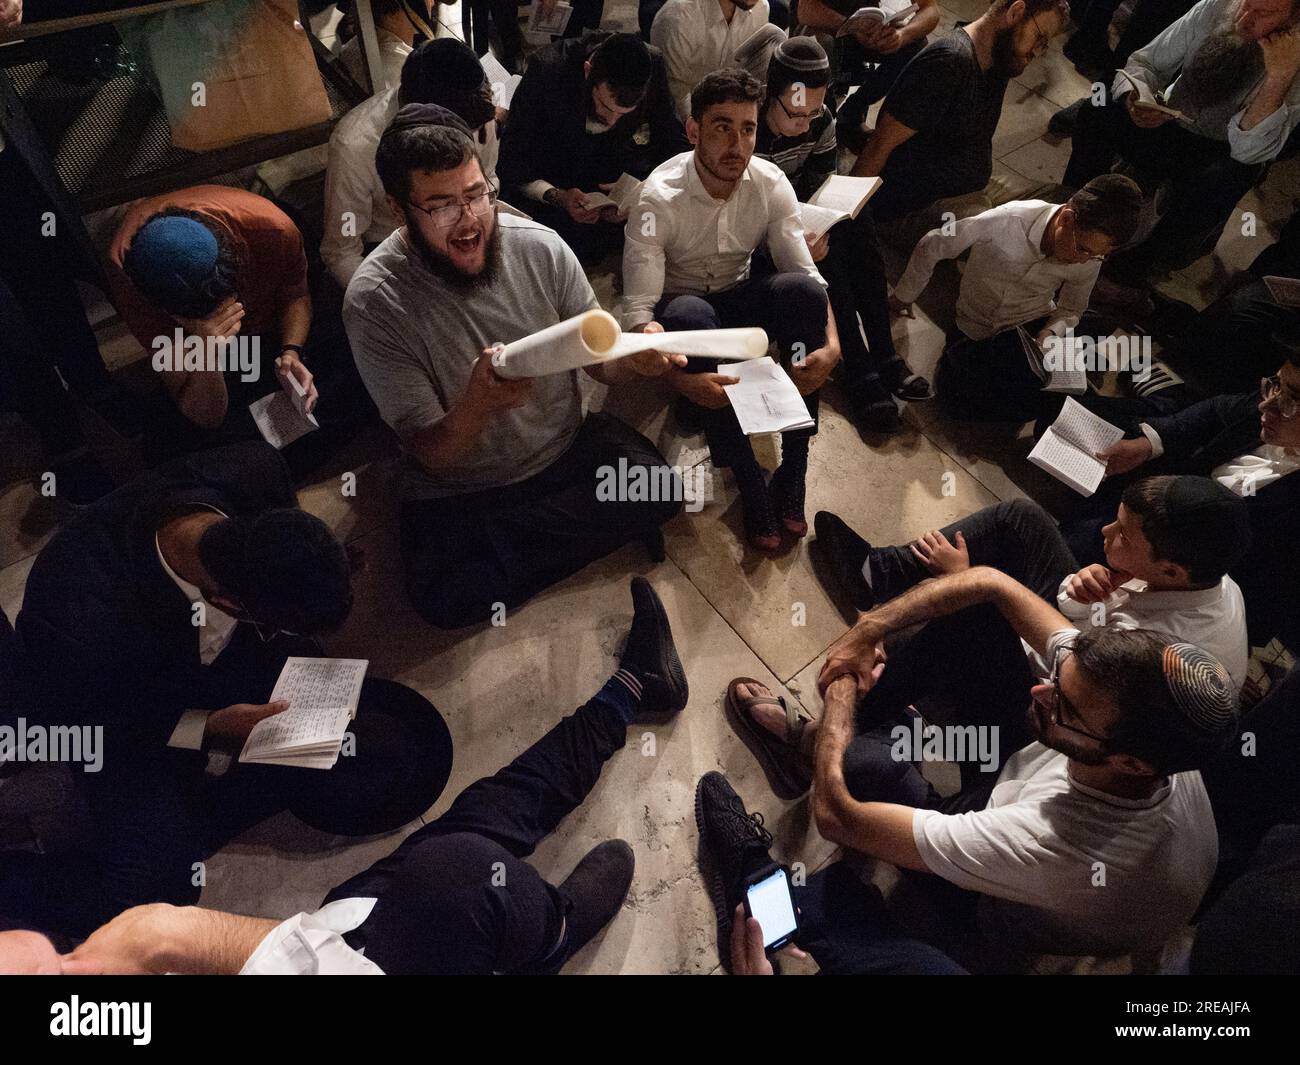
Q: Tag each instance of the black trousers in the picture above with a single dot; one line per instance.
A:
(1241, 338)
(855, 276)
(456, 897)
(590, 242)
(465, 554)
(970, 667)
(1203, 183)
(155, 816)
(990, 379)
(791, 307)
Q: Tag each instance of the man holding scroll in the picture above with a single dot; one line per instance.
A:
(500, 481)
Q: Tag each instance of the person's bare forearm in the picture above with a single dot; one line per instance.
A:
(197, 942)
(922, 23)
(200, 395)
(295, 322)
(1272, 95)
(440, 445)
(880, 830)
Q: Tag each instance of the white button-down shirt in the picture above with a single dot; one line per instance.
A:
(1008, 279)
(696, 40)
(356, 207)
(312, 944)
(392, 56)
(1214, 619)
(1159, 66)
(681, 240)
(1247, 474)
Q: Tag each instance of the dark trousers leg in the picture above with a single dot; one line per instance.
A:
(791, 307)
(456, 896)
(646, 10)
(855, 273)
(1200, 199)
(844, 925)
(968, 668)
(464, 554)
(590, 243)
(30, 387)
(1233, 342)
(1016, 536)
(990, 379)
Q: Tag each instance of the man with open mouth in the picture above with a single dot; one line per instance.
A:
(499, 493)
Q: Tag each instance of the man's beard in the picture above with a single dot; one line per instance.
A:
(1085, 752)
(444, 269)
(1005, 60)
(1223, 64)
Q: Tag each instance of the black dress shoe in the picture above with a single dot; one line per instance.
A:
(838, 554)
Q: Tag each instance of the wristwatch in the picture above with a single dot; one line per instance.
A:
(295, 348)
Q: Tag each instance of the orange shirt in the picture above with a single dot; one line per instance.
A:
(272, 271)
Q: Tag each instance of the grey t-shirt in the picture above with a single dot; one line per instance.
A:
(415, 339)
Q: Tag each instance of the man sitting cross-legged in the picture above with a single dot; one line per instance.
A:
(456, 897)
(1097, 784)
(500, 492)
(1168, 549)
(689, 263)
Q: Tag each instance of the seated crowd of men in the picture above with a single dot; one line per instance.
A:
(1124, 804)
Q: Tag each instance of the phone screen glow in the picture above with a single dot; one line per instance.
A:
(771, 904)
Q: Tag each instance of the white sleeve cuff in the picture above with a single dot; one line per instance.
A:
(188, 733)
(1157, 445)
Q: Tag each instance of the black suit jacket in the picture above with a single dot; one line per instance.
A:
(106, 636)
(1218, 430)
(545, 137)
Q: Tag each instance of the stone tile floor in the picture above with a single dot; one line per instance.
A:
(733, 612)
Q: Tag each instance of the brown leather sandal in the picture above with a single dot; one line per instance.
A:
(788, 772)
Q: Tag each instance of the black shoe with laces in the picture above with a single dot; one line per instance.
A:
(652, 656)
(733, 845)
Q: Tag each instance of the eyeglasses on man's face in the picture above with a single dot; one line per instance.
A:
(1062, 710)
(446, 215)
(1270, 388)
(797, 116)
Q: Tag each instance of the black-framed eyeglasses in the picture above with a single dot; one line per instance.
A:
(1044, 40)
(447, 215)
(1270, 387)
(794, 116)
(1060, 702)
(266, 633)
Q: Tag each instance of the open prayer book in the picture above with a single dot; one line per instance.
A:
(623, 194)
(838, 198)
(893, 14)
(282, 418)
(322, 694)
(1147, 98)
(1069, 448)
(542, 27)
(595, 337)
(502, 81)
(765, 400)
(1056, 369)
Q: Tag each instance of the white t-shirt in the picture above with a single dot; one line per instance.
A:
(1067, 869)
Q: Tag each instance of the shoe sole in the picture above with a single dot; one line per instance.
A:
(671, 664)
(713, 882)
